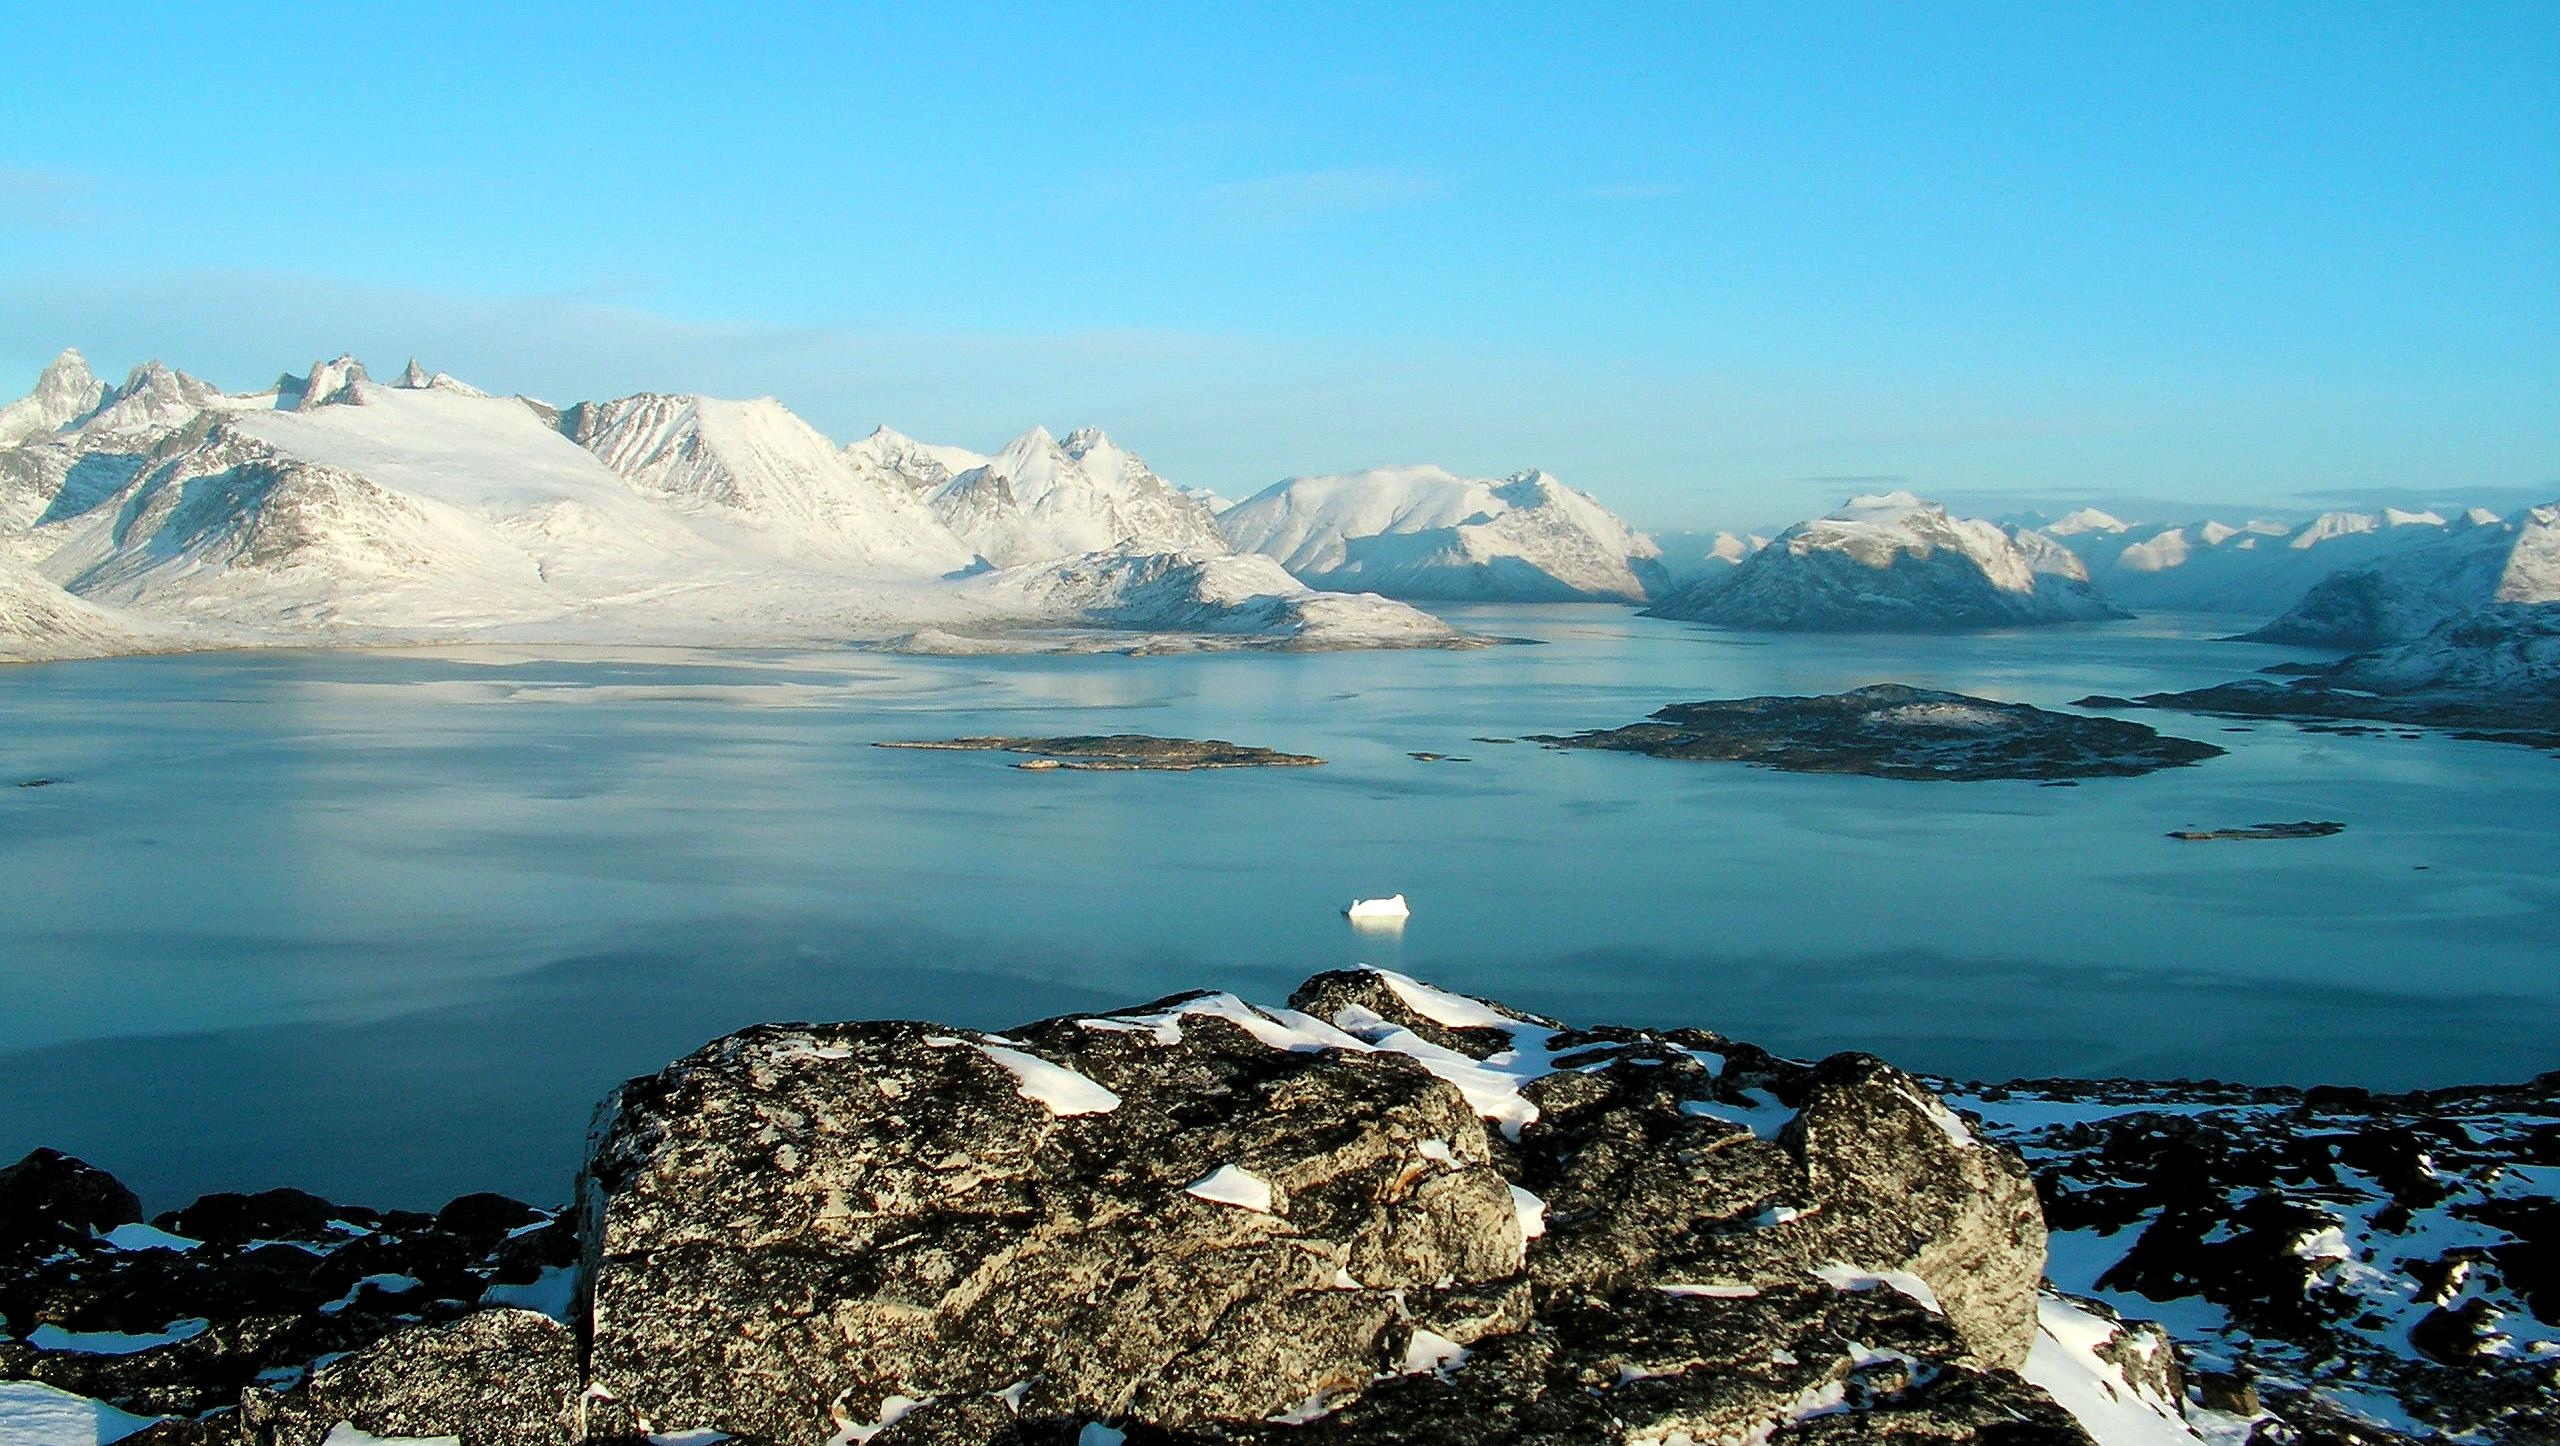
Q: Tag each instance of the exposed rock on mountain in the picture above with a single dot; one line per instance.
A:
(1040, 499)
(2417, 589)
(1888, 563)
(1423, 532)
(756, 461)
(903, 462)
(1889, 730)
(65, 393)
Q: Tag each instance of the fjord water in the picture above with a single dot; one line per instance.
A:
(386, 925)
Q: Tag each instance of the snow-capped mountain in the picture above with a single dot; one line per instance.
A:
(2414, 590)
(65, 393)
(1425, 532)
(2255, 568)
(1891, 563)
(757, 462)
(336, 508)
(1041, 498)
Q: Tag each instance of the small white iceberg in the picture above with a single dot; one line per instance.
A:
(1387, 910)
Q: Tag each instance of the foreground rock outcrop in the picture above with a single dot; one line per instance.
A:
(1383, 1212)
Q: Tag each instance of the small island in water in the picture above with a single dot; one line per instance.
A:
(1891, 730)
(1120, 752)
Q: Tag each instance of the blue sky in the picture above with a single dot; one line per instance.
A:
(1717, 264)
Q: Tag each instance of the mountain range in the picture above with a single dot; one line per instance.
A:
(163, 512)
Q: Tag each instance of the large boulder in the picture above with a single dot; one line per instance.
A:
(1199, 1215)
(796, 1227)
(49, 1198)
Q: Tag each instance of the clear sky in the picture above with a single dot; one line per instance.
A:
(1715, 263)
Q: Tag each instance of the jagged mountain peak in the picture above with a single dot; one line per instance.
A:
(335, 382)
(66, 392)
(414, 377)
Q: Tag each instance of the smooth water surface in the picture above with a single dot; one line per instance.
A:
(386, 925)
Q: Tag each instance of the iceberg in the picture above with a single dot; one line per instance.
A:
(1390, 910)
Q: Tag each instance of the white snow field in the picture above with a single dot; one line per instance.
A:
(1427, 533)
(334, 509)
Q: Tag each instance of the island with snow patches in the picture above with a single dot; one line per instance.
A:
(1117, 752)
(1891, 730)
(1383, 1212)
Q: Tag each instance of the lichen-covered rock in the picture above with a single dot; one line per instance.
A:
(1176, 1221)
(493, 1378)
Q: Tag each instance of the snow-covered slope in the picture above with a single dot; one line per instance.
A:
(1041, 498)
(65, 393)
(2256, 568)
(1890, 563)
(758, 463)
(40, 621)
(1425, 532)
(337, 509)
(2411, 592)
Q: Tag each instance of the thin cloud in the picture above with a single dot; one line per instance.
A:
(1299, 196)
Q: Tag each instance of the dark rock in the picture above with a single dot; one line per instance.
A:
(231, 1219)
(2306, 828)
(51, 1198)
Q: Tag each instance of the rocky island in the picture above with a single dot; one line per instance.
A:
(1120, 752)
(1383, 1212)
(1889, 730)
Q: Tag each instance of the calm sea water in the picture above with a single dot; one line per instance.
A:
(385, 926)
